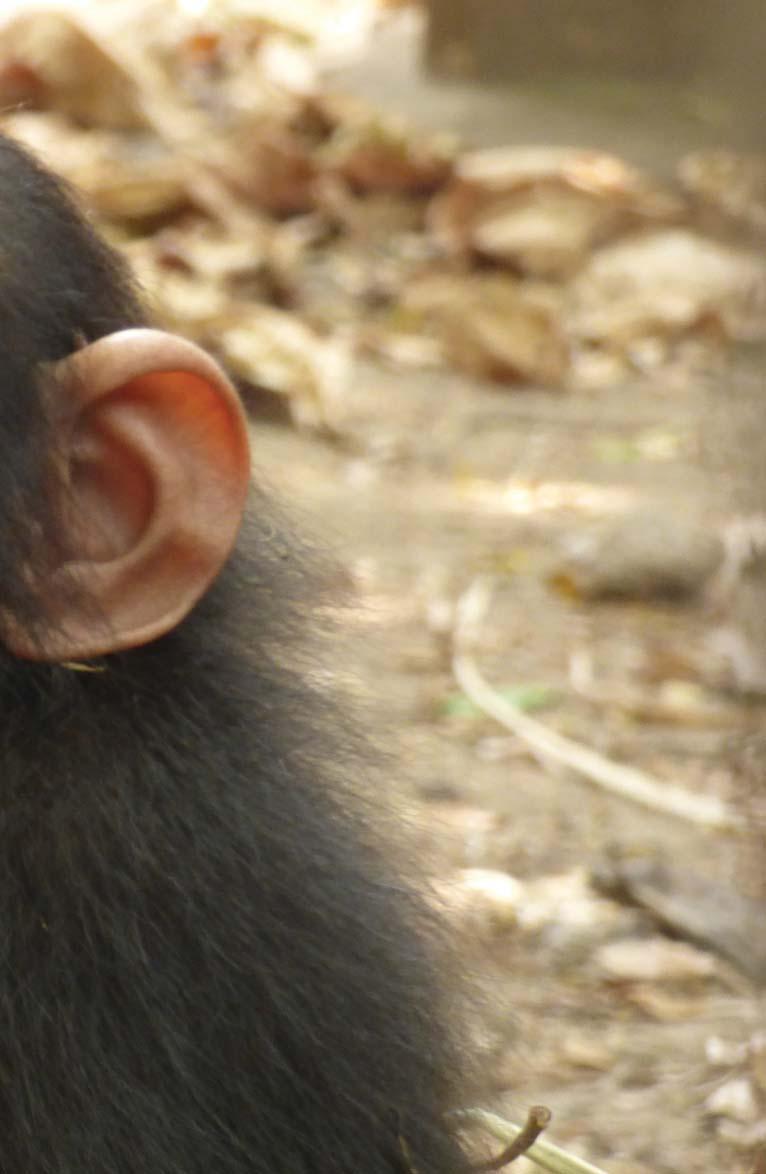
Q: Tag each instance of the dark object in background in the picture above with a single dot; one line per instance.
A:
(713, 47)
(208, 965)
(690, 906)
(643, 554)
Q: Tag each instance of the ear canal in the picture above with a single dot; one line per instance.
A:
(159, 472)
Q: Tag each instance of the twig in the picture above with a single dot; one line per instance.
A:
(542, 1153)
(538, 1119)
(546, 744)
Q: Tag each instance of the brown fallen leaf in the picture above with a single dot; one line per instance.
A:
(545, 232)
(667, 282)
(272, 165)
(492, 326)
(116, 189)
(542, 209)
(118, 178)
(383, 155)
(53, 61)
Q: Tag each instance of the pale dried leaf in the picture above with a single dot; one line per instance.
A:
(668, 281)
(484, 900)
(180, 300)
(546, 233)
(542, 208)
(68, 70)
(502, 169)
(567, 901)
(119, 180)
(117, 189)
(735, 1099)
(723, 1053)
(734, 184)
(586, 1052)
(222, 258)
(664, 1005)
(272, 349)
(655, 959)
(493, 327)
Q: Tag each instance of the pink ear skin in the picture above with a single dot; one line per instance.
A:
(158, 468)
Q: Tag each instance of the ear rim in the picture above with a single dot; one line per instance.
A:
(94, 375)
(129, 354)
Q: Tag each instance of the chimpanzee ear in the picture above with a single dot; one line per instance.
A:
(157, 472)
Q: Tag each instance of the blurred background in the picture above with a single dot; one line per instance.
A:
(490, 275)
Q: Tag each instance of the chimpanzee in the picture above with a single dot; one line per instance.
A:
(207, 964)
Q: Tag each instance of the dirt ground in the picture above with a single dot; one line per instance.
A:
(445, 479)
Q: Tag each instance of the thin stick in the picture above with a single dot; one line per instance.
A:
(545, 744)
(538, 1119)
(542, 1153)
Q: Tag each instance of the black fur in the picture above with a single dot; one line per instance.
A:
(206, 964)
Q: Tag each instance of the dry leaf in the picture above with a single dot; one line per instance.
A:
(493, 327)
(567, 902)
(231, 261)
(119, 180)
(735, 1099)
(583, 1052)
(546, 233)
(272, 166)
(541, 209)
(117, 189)
(668, 282)
(723, 1053)
(380, 155)
(653, 960)
(274, 350)
(663, 1005)
(500, 169)
(483, 900)
(733, 184)
(64, 68)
